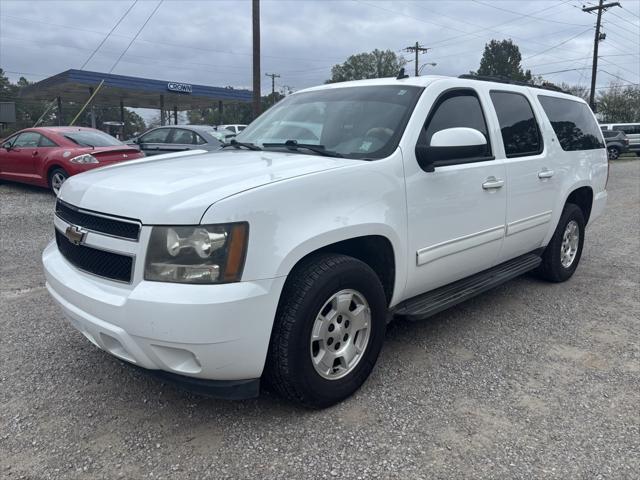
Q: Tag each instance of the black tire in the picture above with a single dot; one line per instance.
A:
(613, 153)
(551, 268)
(53, 175)
(289, 369)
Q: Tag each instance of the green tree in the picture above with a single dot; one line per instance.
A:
(7, 90)
(502, 58)
(619, 103)
(376, 64)
(577, 90)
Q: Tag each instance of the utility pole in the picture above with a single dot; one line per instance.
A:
(256, 57)
(418, 49)
(273, 85)
(601, 7)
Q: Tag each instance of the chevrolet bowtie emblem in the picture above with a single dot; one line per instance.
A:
(75, 234)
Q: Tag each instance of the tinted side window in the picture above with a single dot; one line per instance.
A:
(520, 132)
(46, 142)
(156, 136)
(458, 108)
(27, 140)
(573, 123)
(628, 129)
(184, 137)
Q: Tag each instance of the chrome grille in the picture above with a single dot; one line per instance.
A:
(122, 228)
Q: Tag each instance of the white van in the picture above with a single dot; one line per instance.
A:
(280, 259)
(631, 130)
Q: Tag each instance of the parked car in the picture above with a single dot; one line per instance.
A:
(47, 156)
(177, 138)
(617, 143)
(282, 261)
(631, 130)
(235, 128)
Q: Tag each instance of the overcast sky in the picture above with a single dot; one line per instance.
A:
(209, 41)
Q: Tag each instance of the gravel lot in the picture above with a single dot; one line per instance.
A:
(531, 380)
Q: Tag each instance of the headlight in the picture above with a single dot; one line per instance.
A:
(197, 254)
(83, 159)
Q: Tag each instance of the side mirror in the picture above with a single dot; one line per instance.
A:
(7, 146)
(451, 144)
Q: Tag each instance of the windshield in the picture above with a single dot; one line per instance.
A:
(92, 139)
(355, 122)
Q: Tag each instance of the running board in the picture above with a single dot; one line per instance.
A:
(435, 301)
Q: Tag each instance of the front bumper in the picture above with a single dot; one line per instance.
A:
(210, 332)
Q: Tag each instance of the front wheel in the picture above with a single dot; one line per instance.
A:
(56, 178)
(561, 257)
(328, 331)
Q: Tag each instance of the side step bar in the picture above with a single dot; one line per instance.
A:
(435, 301)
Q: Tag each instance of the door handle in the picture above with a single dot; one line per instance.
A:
(492, 183)
(33, 154)
(545, 173)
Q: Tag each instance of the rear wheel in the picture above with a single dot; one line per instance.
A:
(561, 257)
(328, 330)
(56, 178)
(613, 152)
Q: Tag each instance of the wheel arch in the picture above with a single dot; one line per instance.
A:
(582, 197)
(49, 170)
(377, 250)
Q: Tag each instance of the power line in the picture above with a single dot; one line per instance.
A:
(526, 14)
(136, 35)
(166, 44)
(108, 35)
(558, 45)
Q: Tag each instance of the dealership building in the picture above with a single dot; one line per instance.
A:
(107, 89)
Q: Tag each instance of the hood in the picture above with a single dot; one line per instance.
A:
(178, 189)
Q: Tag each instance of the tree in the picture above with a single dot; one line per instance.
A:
(502, 58)
(619, 103)
(376, 64)
(7, 90)
(577, 90)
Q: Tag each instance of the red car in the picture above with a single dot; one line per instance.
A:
(47, 156)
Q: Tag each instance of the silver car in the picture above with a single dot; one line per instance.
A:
(177, 138)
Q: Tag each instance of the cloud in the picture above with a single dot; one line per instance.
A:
(210, 42)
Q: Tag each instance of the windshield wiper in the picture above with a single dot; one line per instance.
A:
(294, 145)
(236, 144)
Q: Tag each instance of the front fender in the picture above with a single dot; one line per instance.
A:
(293, 218)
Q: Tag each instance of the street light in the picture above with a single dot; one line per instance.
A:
(432, 64)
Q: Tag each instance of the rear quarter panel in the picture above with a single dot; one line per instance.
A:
(574, 169)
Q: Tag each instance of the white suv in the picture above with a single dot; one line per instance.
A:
(282, 258)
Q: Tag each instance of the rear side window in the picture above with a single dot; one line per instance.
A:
(46, 142)
(520, 132)
(573, 123)
(184, 137)
(610, 133)
(628, 129)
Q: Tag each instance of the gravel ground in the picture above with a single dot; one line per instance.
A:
(530, 380)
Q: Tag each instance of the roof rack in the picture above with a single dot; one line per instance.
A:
(503, 79)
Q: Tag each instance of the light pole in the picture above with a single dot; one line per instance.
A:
(432, 64)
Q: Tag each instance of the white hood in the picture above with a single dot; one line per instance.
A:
(178, 190)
